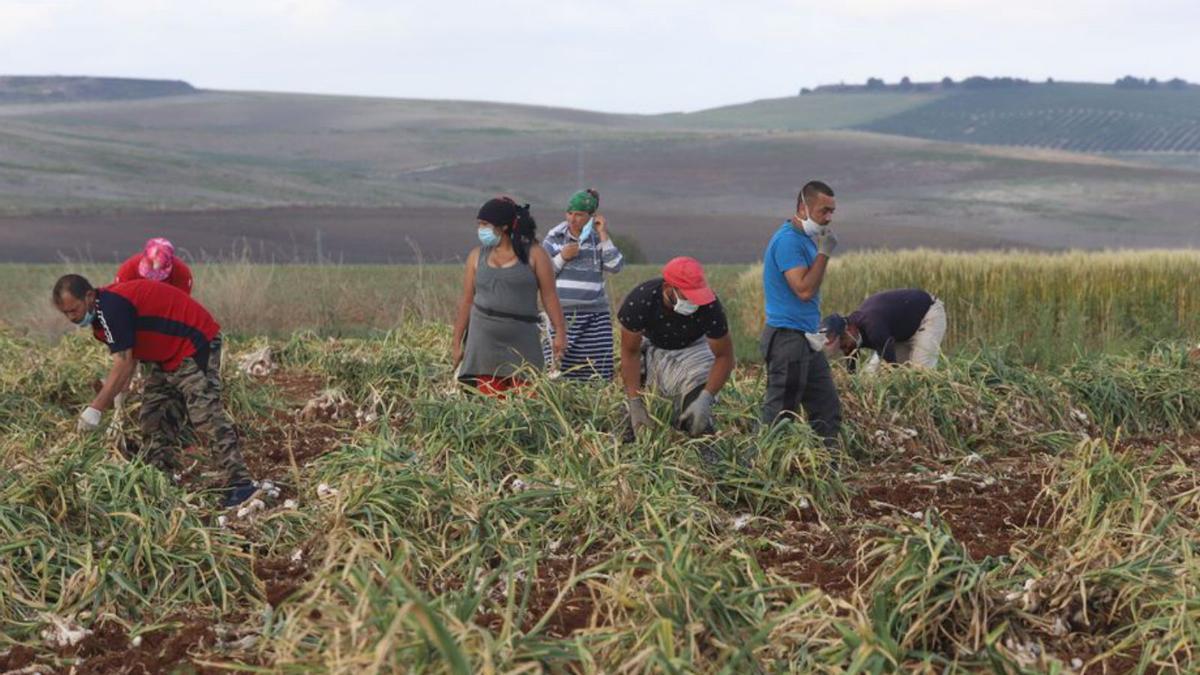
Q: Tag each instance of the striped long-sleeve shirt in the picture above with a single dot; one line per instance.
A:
(580, 281)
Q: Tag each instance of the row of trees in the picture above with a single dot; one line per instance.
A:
(876, 84)
(1131, 82)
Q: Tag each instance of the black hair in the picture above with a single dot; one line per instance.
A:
(74, 284)
(810, 190)
(523, 233)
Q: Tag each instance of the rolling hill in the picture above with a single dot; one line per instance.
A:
(351, 171)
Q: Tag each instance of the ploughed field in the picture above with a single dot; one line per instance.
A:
(989, 517)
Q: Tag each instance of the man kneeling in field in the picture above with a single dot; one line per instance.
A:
(675, 340)
(164, 327)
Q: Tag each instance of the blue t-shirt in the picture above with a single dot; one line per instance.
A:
(789, 248)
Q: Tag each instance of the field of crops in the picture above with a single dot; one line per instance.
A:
(1043, 309)
(1077, 117)
(992, 517)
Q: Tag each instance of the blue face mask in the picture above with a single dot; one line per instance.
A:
(587, 230)
(87, 319)
(488, 236)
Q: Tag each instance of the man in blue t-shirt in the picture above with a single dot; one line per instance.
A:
(798, 374)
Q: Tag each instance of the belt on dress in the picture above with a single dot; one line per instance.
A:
(506, 315)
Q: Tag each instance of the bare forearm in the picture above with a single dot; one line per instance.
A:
(461, 320)
(554, 310)
(631, 373)
(719, 375)
(816, 274)
(117, 381)
(809, 283)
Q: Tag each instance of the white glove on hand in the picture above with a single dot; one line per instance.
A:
(697, 418)
(826, 242)
(639, 417)
(89, 420)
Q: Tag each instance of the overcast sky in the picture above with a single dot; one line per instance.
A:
(612, 55)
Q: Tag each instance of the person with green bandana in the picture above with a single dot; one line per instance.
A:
(582, 254)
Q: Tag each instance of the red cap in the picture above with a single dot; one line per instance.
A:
(687, 274)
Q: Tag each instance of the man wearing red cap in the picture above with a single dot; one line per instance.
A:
(675, 341)
(156, 262)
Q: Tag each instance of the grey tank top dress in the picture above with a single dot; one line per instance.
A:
(503, 334)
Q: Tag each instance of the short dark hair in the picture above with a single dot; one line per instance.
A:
(810, 190)
(74, 284)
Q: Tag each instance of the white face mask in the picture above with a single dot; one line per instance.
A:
(811, 227)
(683, 306)
(587, 230)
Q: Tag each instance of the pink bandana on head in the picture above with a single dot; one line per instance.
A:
(157, 259)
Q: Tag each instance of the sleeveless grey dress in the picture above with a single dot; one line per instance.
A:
(503, 334)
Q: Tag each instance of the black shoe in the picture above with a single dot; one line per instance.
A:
(238, 492)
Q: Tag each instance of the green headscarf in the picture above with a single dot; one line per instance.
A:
(583, 201)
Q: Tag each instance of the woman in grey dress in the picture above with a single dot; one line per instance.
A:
(498, 309)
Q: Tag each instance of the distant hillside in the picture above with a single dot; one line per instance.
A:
(831, 110)
(1064, 116)
(713, 182)
(53, 89)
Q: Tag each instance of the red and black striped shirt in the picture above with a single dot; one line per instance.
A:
(159, 322)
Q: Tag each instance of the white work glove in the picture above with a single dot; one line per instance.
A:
(826, 242)
(639, 417)
(697, 418)
(89, 420)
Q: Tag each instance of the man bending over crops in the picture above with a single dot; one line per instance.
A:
(675, 340)
(164, 327)
(794, 263)
(900, 326)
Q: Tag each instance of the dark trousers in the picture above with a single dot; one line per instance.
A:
(798, 376)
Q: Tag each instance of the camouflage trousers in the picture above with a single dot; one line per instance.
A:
(187, 434)
(171, 399)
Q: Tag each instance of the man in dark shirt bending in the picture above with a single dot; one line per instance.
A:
(675, 341)
(900, 326)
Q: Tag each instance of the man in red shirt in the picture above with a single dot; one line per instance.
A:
(164, 327)
(156, 262)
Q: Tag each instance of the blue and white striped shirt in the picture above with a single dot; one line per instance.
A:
(580, 281)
